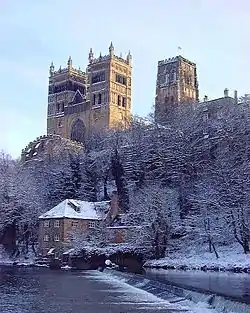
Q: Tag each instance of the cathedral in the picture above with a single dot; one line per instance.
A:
(83, 102)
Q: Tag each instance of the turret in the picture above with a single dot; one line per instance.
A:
(111, 49)
(226, 92)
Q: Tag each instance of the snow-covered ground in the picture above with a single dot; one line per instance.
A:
(21, 261)
(230, 258)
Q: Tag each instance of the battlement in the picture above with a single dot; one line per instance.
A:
(67, 70)
(108, 57)
(175, 59)
(73, 71)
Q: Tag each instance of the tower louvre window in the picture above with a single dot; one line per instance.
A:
(98, 77)
(99, 98)
(124, 101)
(119, 100)
(121, 79)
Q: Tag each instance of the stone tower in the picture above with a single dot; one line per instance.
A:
(176, 83)
(110, 90)
(83, 102)
(68, 104)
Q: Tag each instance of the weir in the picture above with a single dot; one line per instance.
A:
(183, 296)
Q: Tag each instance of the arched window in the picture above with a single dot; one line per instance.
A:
(77, 131)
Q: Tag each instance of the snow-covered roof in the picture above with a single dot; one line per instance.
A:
(84, 210)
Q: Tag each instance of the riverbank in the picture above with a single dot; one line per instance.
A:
(230, 259)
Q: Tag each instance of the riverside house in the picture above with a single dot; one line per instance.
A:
(57, 224)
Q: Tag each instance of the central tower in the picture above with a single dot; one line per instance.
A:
(176, 83)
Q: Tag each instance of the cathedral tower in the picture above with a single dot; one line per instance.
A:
(110, 90)
(80, 103)
(176, 83)
(68, 104)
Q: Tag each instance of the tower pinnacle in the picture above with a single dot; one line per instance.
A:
(51, 69)
(69, 62)
(111, 49)
(91, 55)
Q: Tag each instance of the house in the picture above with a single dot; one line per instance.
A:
(57, 224)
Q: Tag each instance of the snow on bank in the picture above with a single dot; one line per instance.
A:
(230, 258)
(5, 259)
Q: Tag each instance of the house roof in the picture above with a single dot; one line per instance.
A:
(84, 210)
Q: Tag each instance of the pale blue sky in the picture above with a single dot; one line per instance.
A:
(213, 33)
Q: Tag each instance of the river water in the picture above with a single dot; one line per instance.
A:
(36, 290)
(230, 285)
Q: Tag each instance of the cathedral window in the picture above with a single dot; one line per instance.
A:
(94, 99)
(121, 79)
(124, 101)
(58, 107)
(99, 77)
(62, 109)
(119, 100)
(99, 98)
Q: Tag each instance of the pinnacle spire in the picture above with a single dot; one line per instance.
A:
(111, 49)
(91, 55)
(69, 62)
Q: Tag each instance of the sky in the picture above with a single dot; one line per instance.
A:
(213, 33)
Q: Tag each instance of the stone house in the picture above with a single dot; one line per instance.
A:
(57, 224)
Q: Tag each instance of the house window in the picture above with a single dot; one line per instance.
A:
(56, 223)
(91, 224)
(74, 224)
(56, 237)
(46, 224)
(46, 238)
(124, 101)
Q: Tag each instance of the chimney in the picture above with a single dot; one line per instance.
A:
(236, 96)
(225, 92)
(205, 98)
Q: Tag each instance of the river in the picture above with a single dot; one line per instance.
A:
(229, 285)
(37, 290)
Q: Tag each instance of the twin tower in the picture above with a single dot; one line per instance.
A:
(80, 103)
(83, 102)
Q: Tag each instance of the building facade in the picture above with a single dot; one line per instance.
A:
(176, 83)
(80, 103)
